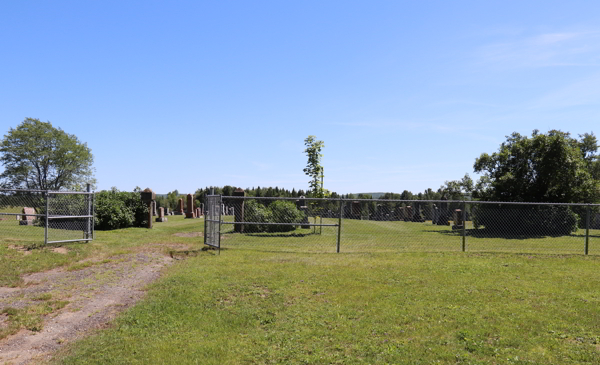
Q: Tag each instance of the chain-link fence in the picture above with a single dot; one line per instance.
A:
(35, 217)
(371, 225)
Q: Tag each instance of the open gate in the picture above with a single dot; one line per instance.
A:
(212, 221)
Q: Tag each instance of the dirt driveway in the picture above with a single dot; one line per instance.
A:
(94, 292)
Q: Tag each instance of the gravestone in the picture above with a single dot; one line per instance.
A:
(148, 197)
(179, 210)
(239, 210)
(435, 214)
(161, 215)
(356, 210)
(301, 205)
(443, 214)
(190, 207)
(27, 220)
(409, 213)
(198, 213)
(154, 208)
(458, 219)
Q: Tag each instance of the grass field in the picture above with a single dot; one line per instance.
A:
(406, 308)
(273, 299)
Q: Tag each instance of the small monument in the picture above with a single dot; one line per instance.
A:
(26, 219)
(458, 219)
(161, 215)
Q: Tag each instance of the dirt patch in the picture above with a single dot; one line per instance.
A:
(60, 250)
(96, 294)
(189, 234)
(21, 249)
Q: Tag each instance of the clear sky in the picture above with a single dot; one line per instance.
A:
(405, 94)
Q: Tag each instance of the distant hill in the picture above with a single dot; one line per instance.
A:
(374, 195)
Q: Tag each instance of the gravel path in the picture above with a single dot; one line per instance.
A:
(96, 294)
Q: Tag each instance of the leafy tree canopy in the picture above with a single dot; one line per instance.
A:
(36, 155)
(551, 167)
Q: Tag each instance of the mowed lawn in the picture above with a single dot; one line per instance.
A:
(269, 299)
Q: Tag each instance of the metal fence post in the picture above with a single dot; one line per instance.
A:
(89, 211)
(464, 231)
(340, 225)
(587, 229)
(47, 212)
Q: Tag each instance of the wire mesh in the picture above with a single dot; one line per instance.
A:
(21, 217)
(31, 217)
(381, 225)
(70, 217)
(280, 224)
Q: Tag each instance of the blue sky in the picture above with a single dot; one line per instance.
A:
(405, 94)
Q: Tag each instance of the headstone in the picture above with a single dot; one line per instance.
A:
(190, 207)
(239, 210)
(161, 215)
(27, 220)
(301, 205)
(198, 213)
(356, 210)
(148, 196)
(458, 219)
(154, 208)
(179, 210)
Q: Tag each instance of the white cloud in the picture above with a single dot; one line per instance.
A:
(544, 50)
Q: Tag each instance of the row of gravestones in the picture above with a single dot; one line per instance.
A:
(191, 211)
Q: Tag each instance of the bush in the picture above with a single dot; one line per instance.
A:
(507, 220)
(277, 212)
(284, 211)
(116, 210)
(256, 212)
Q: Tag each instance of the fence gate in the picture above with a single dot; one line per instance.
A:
(70, 216)
(212, 221)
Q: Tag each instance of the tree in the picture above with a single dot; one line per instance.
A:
(552, 167)
(36, 155)
(313, 166)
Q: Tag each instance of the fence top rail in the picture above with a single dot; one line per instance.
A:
(46, 191)
(405, 201)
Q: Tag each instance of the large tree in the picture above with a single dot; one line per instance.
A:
(36, 155)
(551, 167)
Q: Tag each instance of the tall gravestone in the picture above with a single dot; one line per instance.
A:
(301, 205)
(154, 208)
(148, 197)
(179, 210)
(239, 210)
(190, 207)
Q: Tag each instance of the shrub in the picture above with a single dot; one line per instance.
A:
(116, 210)
(284, 211)
(507, 220)
(256, 212)
(277, 212)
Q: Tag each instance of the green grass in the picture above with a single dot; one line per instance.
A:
(396, 236)
(15, 263)
(418, 308)
(399, 292)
